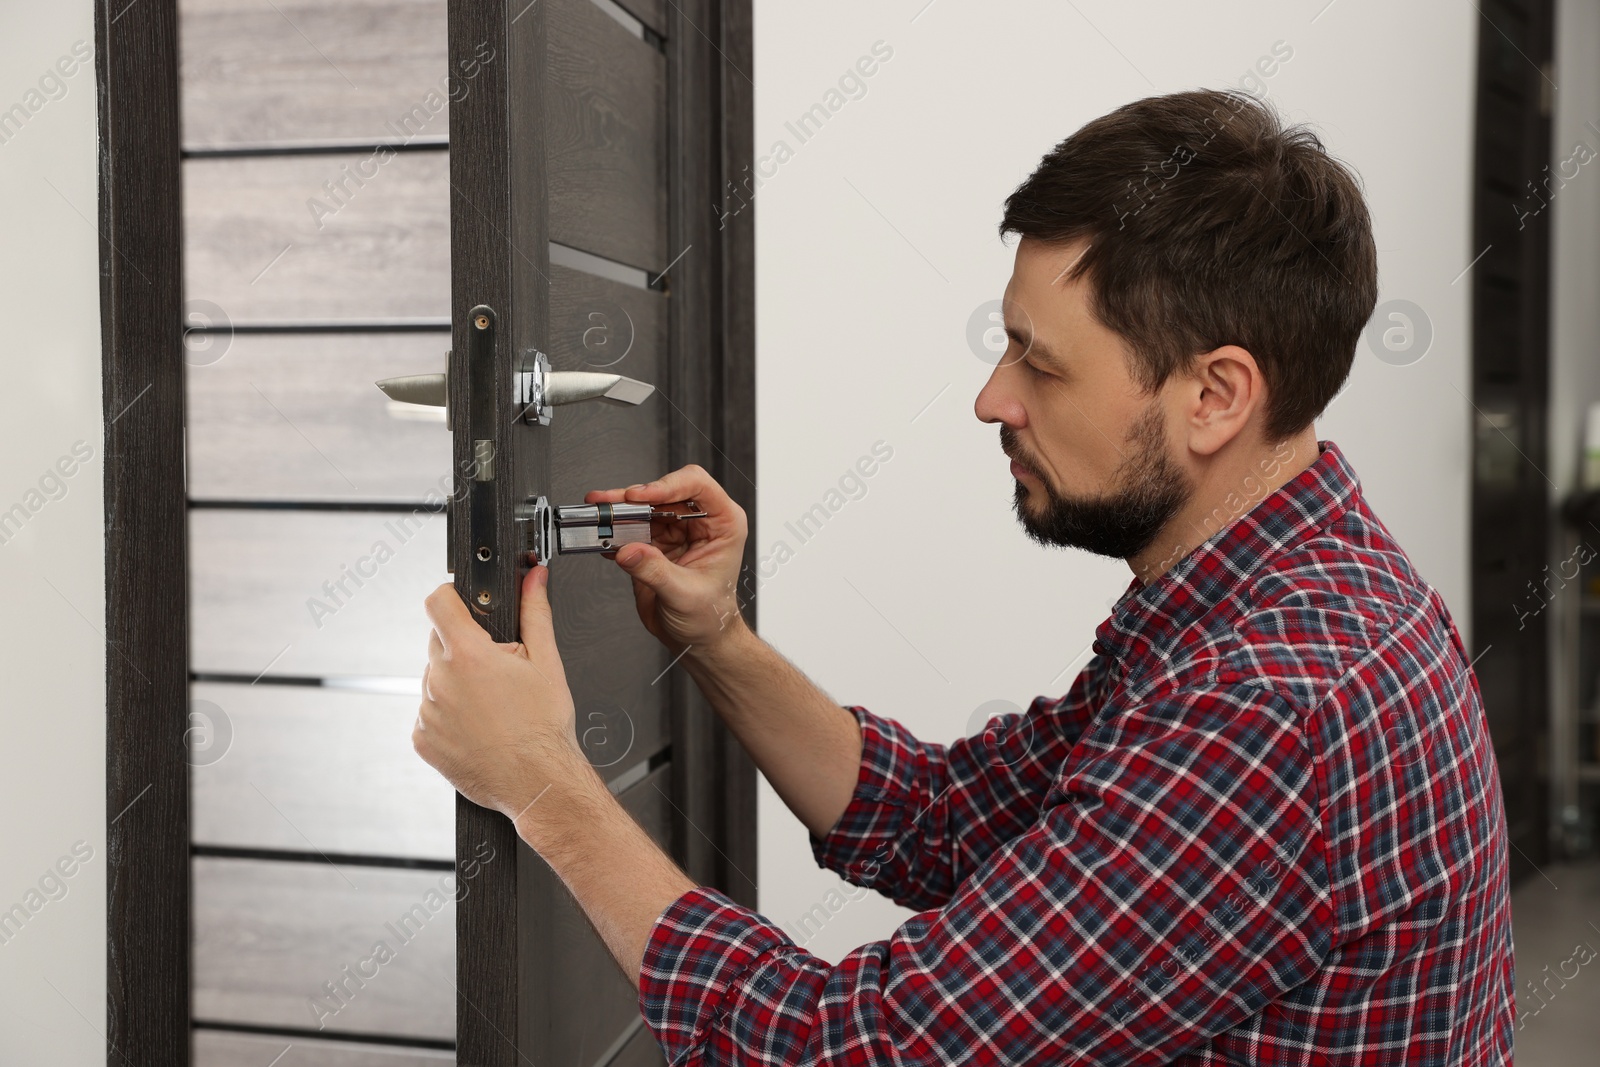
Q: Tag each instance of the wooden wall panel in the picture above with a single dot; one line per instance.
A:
(267, 242)
(297, 71)
(605, 130)
(268, 936)
(259, 604)
(297, 417)
(218, 1048)
(318, 769)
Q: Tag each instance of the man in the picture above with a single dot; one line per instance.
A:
(1263, 826)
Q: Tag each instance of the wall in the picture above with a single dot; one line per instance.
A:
(920, 597)
(52, 648)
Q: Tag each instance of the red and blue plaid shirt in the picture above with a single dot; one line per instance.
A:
(1265, 826)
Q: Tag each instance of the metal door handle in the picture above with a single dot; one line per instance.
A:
(538, 389)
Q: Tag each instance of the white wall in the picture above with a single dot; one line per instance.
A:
(52, 648)
(876, 241)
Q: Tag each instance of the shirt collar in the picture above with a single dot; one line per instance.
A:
(1151, 618)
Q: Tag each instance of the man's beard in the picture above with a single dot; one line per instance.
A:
(1151, 490)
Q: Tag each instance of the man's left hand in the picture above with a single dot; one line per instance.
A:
(497, 719)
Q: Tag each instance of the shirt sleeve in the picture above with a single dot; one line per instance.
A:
(924, 816)
(1174, 885)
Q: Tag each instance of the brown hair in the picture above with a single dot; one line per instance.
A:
(1210, 223)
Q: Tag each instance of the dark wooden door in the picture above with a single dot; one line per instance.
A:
(1510, 376)
(584, 164)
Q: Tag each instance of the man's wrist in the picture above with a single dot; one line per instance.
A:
(575, 795)
(729, 644)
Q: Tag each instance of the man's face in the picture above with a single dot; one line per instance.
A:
(1091, 456)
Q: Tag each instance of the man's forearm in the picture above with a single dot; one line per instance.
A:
(618, 875)
(808, 746)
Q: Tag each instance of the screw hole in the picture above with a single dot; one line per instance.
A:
(484, 554)
(481, 322)
(484, 598)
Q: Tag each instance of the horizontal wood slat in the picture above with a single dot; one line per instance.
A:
(271, 938)
(605, 131)
(219, 1048)
(315, 769)
(259, 602)
(266, 240)
(297, 417)
(272, 71)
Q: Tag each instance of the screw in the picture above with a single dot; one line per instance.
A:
(481, 322)
(483, 598)
(484, 554)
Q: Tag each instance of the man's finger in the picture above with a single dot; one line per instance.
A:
(452, 619)
(537, 623)
(685, 483)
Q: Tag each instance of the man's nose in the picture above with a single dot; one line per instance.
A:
(996, 404)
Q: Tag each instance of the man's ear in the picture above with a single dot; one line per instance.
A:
(1221, 393)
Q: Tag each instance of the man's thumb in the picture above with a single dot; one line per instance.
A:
(536, 621)
(647, 564)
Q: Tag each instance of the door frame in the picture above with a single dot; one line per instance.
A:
(146, 519)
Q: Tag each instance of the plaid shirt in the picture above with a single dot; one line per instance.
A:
(1265, 826)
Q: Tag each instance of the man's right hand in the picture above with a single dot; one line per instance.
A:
(684, 583)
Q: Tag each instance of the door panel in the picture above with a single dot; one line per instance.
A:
(650, 12)
(582, 217)
(291, 417)
(303, 71)
(312, 594)
(329, 237)
(605, 132)
(270, 940)
(609, 1003)
(305, 767)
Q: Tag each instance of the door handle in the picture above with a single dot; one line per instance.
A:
(546, 530)
(538, 389)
